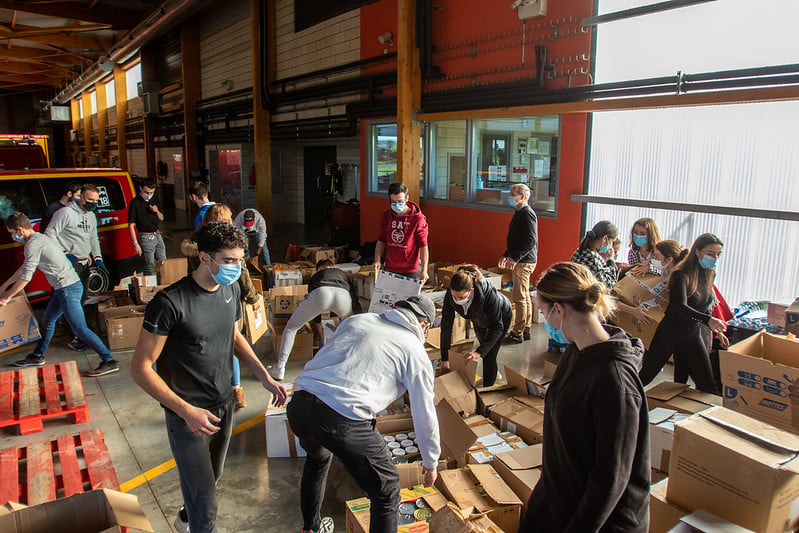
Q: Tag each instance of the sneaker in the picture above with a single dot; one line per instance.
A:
(327, 526)
(276, 373)
(105, 367)
(30, 360)
(238, 395)
(77, 345)
(526, 335)
(182, 521)
(513, 339)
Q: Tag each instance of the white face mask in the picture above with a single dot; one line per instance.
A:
(464, 301)
(657, 265)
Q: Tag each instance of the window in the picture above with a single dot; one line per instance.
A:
(111, 196)
(23, 195)
(382, 157)
(80, 108)
(476, 161)
(93, 96)
(132, 79)
(110, 94)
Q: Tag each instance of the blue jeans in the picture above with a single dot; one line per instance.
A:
(200, 461)
(67, 302)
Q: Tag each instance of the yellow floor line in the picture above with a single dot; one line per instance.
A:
(169, 465)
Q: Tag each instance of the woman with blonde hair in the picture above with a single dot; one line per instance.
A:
(595, 471)
(222, 213)
(476, 299)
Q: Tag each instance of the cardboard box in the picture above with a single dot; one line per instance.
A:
(663, 515)
(521, 470)
(703, 522)
(505, 275)
(303, 345)
(287, 277)
(314, 254)
(284, 300)
(256, 320)
(94, 307)
(451, 519)
(792, 318)
(280, 440)
(142, 291)
(524, 420)
(775, 314)
(18, 325)
(757, 375)
(364, 284)
(123, 325)
(445, 273)
(96, 511)
(661, 436)
(170, 271)
(412, 483)
(390, 288)
(493, 497)
(736, 467)
(520, 387)
(680, 397)
(646, 291)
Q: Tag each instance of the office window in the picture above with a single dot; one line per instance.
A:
(382, 157)
(132, 79)
(80, 108)
(93, 96)
(110, 94)
(476, 161)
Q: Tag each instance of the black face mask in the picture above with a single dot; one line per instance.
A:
(90, 206)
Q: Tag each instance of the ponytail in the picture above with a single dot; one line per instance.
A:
(465, 278)
(600, 229)
(575, 285)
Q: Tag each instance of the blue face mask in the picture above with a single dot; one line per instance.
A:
(708, 262)
(17, 237)
(512, 201)
(228, 274)
(556, 334)
(398, 207)
(604, 248)
(639, 240)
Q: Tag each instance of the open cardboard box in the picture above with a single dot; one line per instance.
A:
(96, 511)
(123, 325)
(451, 519)
(680, 397)
(758, 375)
(521, 470)
(661, 436)
(517, 386)
(663, 515)
(647, 291)
(738, 468)
(18, 324)
(170, 271)
(479, 487)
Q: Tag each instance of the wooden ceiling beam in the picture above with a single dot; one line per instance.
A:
(23, 79)
(20, 32)
(119, 18)
(42, 55)
(85, 42)
(22, 67)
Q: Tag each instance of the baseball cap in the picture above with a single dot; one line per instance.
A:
(249, 215)
(420, 304)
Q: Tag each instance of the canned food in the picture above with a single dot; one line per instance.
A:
(407, 508)
(389, 438)
(421, 504)
(411, 434)
(405, 519)
(405, 443)
(393, 445)
(398, 451)
(411, 449)
(423, 514)
(401, 436)
(397, 460)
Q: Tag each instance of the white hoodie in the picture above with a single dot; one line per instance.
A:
(370, 362)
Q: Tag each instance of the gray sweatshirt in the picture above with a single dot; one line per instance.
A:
(259, 226)
(76, 231)
(370, 362)
(43, 252)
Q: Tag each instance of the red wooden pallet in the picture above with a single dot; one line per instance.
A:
(50, 469)
(29, 395)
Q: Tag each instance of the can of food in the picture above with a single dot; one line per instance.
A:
(407, 508)
(389, 438)
(405, 443)
(412, 435)
(423, 514)
(397, 460)
(393, 445)
(398, 451)
(421, 504)
(400, 436)
(405, 519)
(411, 450)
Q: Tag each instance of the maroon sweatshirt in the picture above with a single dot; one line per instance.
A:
(404, 235)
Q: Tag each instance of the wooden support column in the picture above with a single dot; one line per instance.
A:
(121, 93)
(102, 123)
(87, 123)
(409, 99)
(263, 48)
(76, 125)
(190, 55)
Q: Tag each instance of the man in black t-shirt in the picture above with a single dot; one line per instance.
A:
(144, 216)
(69, 192)
(189, 334)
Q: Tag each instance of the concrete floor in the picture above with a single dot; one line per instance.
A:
(255, 493)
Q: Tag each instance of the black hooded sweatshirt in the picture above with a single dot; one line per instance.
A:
(595, 474)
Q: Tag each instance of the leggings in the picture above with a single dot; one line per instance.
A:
(490, 358)
(686, 343)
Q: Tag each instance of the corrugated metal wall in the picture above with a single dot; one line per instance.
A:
(739, 155)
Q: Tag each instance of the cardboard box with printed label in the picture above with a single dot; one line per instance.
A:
(647, 291)
(284, 300)
(123, 325)
(758, 374)
(736, 467)
(661, 436)
(94, 308)
(490, 445)
(663, 515)
(792, 318)
(170, 271)
(287, 277)
(18, 325)
(314, 254)
(256, 320)
(390, 288)
(680, 397)
(303, 345)
(480, 487)
(525, 420)
(412, 483)
(280, 440)
(451, 519)
(95, 511)
(521, 470)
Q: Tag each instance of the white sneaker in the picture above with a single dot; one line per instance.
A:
(180, 525)
(276, 373)
(327, 526)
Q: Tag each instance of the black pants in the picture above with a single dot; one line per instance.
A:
(324, 433)
(690, 352)
(490, 358)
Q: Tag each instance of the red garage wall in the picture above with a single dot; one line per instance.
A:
(459, 234)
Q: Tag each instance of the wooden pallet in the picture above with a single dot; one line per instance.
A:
(29, 395)
(50, 469)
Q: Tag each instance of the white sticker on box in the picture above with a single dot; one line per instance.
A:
(490, 440)
(500, 448)
(511, 427)
(259, 319)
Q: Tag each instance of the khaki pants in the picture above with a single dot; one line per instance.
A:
(522, 303)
